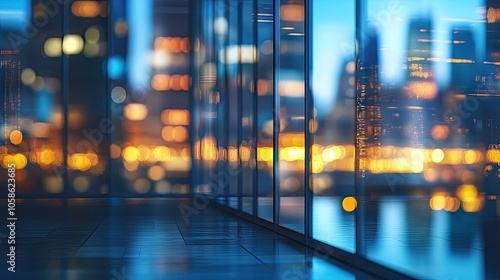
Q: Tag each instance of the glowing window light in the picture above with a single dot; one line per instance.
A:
(467, 192)
(220, 26)
(160, 82)
(94, 159)
(235, 54)
(262, 87)
(470, 157)
(132, 167)
(115, 151)
(121, 28)
(440, 132)
(118, 94)
(422, 90)
(180, 134)
(175, 117)
(136, 112)
(16, 137)
(144, 153)
(167, 133)
(292, 12)
(28, 76)
(161, 153)
(156, 173)
(437, 155)
(493, 15)
(493, 156)
(142, 186)
(291, 88)
(162, 187)
(349, 204)
(92, 34)
(86, 8)
(452, 204)
(72, 44)
(46, 157)
(175, 82)
(185, 82)
(81, 184)
(53, 184)
(53, 47)
(79, 161)
(130, 154)
(172, 44)
(184, 45)
(437, 202)
(163, 82)
(20, 160)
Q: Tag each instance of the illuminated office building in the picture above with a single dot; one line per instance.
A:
(464, 85)
(250, 139)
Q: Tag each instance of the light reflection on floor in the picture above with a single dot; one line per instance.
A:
(150, 239)
(401, 233)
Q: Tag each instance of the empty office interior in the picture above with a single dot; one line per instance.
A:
(365, 130)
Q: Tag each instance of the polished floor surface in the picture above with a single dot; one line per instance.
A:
(125, 239)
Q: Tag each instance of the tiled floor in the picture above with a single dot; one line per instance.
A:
(125, 239)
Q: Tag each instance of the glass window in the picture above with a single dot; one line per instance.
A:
(265, 96)
(247, 59)
(232, 55)
(426, 134)
(333, 126)
(291, 114)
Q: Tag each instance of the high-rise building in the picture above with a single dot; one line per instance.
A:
(369, 90)
(464, 75)
(422, 92)
(463, 60)
(493, 40)
(420, 57)
(10, 85)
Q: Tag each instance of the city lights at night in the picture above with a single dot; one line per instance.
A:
(252, 139)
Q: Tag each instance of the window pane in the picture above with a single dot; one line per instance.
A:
(291, 115)
(265, 97)
(333, 127)
(247, 62)
(427, 86)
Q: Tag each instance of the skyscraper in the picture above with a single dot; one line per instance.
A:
(369, 89)
(424, 103)
(463, 60)
(421, 80)
(10, 84)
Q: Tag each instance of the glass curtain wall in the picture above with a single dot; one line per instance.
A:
(95, 97)
(367, 127)
(54, 105)
(427, 136)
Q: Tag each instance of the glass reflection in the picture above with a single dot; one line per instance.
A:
(265, 97)
(31, 118)
(427, 80)
(248, 56)
(333, 126)
(291, 114)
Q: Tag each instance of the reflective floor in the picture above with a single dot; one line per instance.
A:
(405, 234)
(124, 239)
